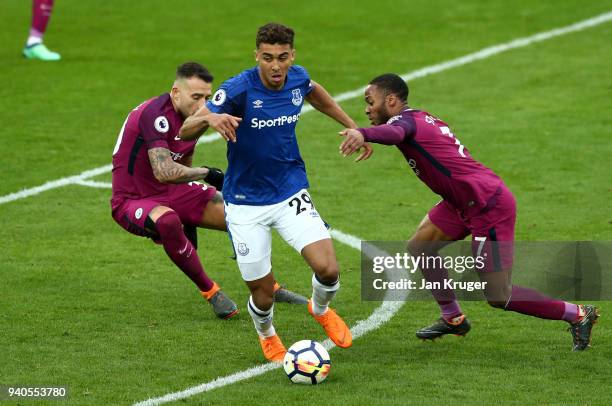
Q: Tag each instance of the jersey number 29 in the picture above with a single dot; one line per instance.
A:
(297, 202)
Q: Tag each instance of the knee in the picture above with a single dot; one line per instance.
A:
(414, 247)
(328, 272)
(168, 222)
(263, 298)
(497, 304)
(262, 292)
(417, 247)
(497, 298)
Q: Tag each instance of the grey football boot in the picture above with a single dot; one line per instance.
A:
(223, 306)
(283, 295)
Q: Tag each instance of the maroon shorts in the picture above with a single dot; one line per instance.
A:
(188, 200)
(492, 229)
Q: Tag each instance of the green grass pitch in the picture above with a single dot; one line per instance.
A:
(84, 304)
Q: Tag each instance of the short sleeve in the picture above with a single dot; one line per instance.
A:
(309, 88)
(154, 128)
(229, 98)
(303, 78)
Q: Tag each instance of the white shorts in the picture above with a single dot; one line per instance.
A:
(296, 220)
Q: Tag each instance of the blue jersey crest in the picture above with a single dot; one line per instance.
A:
(264, 165)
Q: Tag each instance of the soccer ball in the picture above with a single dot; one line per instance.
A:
(307, 362)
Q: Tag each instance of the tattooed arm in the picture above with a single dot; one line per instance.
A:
(166, 170)
(186, 160)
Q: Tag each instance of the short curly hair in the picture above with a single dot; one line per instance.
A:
(191, 69)
(391, 83)
(274, 33)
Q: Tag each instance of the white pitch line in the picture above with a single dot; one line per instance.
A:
(379, 316)
(426, 71)
(386, 311)
(94, 184)
(55, 184)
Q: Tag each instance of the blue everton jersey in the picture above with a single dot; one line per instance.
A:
(264, 164)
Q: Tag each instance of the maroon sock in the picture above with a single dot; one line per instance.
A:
(180, 250)
(41, 12)
(449, 307)
(533, 303)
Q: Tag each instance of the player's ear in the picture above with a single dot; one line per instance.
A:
(256, 56)
(174, 92)
(292, 55)
(390, 100)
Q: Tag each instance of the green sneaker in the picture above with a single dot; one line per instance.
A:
(41, 52)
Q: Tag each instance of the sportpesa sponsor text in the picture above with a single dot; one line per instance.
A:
(278, 121)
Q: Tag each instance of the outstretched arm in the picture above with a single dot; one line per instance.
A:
(386, 134)
(196, 124)
(382, 134)
(193, 127)
(321, 100)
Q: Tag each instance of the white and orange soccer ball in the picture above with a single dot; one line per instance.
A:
(307, 362)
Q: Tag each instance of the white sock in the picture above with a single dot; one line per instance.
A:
(322, 295)
(262, 319)
(33, 40)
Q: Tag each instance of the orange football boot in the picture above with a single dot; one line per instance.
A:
(335, 328)
(273, 348)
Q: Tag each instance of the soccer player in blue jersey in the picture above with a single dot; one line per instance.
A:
(265, 184)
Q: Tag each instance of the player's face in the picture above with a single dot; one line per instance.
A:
(274, 61)
(376, 105)
(190, 94)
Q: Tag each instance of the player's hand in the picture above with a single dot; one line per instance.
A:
(366, 153)
(225, 124)
(214, 178)
(353, 141)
